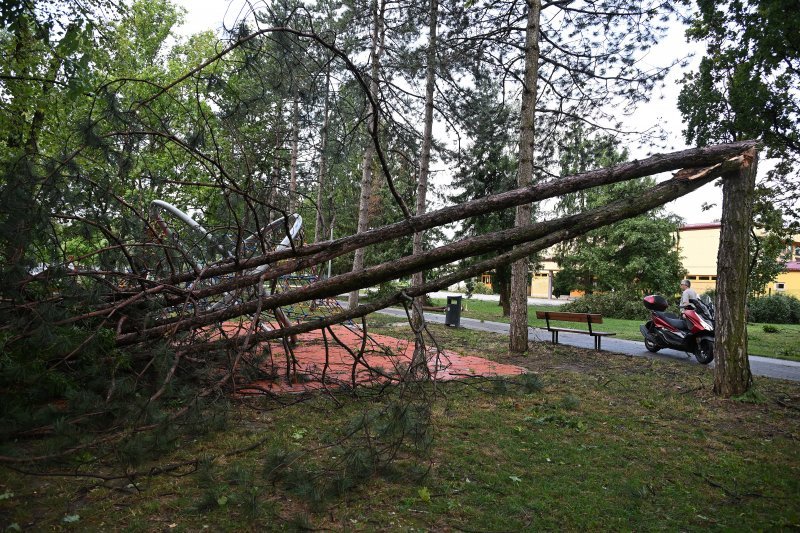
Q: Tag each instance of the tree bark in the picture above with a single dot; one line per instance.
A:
(732, 372)
(314, 254)
(425, 155)
(319, 224)
(518, 333)
(378, 7)
(295, 150)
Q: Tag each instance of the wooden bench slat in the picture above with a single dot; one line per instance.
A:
(569, 330)
(594, 318)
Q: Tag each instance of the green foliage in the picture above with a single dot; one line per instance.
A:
(367, 446)
(488, 167)
(624, 305)
(769, 239)
(746, 86)
(636, 255)
(387, 289)
(482, 288)
(774, 309)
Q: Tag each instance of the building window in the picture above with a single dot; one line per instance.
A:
(691, 277)
(486, 279)
(780, 286)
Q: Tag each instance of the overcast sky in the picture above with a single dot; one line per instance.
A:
(660, 111)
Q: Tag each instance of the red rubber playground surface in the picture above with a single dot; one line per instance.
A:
(322, 361)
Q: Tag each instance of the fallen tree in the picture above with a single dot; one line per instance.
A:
(703, 164)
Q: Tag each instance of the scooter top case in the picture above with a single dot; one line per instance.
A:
(655, 302)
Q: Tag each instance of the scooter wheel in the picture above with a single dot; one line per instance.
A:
(705, 352)
(651, 346)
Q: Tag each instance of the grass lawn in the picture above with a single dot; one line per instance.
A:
(783, 344)
(608, 442)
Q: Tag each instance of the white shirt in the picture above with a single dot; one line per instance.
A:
(685, 296)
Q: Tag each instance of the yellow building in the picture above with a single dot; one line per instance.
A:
(698, 245)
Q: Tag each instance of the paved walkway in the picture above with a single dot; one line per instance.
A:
(496, 298)
(759, 366)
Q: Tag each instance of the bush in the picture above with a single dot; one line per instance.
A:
(774, 309)
(482, 288)
(386, 289)
(611, 305)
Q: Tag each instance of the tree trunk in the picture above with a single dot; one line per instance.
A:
(319, 224)
(277, 163)
(518, 334)
(425, 155)
(295, 149)
(379, 7)
(504, 290)
(732, 373)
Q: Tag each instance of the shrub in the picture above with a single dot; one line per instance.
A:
(611, 305)
(774, 309)
(482, 288)
(386, 289)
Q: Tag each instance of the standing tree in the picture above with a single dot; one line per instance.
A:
(427, 143)
(746, 88)
(732, 371)
(488, 167)
(568, 60)
(518, 332)
(377, 40)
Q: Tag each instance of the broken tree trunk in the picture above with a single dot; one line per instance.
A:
(732, 373)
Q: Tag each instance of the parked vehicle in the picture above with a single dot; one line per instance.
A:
(692, 333)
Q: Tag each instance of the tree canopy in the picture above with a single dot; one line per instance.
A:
(747, 84)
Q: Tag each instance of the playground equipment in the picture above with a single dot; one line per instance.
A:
(189, 246)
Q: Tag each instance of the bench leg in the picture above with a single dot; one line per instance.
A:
(555, 337)
(597, 342)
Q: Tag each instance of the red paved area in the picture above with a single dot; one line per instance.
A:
(385, 358)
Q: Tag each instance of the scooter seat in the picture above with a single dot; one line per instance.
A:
(674, 321)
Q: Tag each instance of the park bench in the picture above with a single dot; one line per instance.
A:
(586, 318)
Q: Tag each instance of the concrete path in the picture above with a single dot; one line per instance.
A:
(759, 366)
(496, 298)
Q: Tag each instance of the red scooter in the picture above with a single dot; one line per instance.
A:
(693, 333)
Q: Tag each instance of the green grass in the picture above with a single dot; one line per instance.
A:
(608, 443)
(784, 343)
